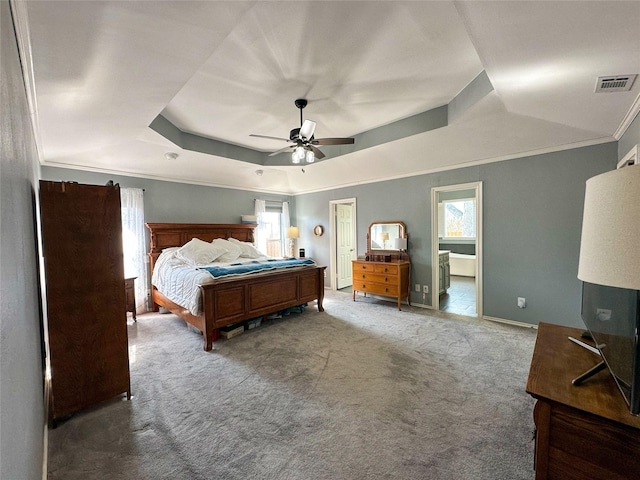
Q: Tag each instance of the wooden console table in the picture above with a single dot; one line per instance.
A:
(582, 432)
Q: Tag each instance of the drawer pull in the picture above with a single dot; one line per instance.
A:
(386, 289)
(363, 275)
(386, 279)
(364, 286)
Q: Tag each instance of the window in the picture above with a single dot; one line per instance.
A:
(458, 218)
(271, 228)
(273, 219)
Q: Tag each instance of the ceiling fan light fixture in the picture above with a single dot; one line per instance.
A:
(298, 155)
(310, 156)
(307, 129)
(305, 145)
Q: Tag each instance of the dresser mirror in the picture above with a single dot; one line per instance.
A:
(386, 238)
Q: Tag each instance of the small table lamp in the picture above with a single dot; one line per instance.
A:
(400, 244)
(292, 234)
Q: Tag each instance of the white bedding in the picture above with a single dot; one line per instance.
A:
(178, 281)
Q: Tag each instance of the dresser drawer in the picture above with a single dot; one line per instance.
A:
(362, 267)
(381, 289)
(388, 269)
(375, 277)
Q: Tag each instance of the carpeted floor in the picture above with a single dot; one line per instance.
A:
(361, 391)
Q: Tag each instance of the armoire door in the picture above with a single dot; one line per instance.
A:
(85, 294)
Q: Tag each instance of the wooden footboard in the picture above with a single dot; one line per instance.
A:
(234, 300)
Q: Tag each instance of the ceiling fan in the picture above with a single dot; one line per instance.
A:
(304, 143)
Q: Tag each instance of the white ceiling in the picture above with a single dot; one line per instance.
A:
(103, 71)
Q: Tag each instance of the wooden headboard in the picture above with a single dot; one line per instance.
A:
(165, 235)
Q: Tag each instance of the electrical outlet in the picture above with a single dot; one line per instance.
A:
(425, 289)
(417, 287)
(522, 303)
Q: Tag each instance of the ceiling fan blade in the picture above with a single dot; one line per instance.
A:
(272, 138)
(307, 129)
(333, 141)
(317, 152)
(282, 150)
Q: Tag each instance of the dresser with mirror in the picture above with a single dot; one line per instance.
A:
(385, 269)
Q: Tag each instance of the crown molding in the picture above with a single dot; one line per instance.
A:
(628, 118)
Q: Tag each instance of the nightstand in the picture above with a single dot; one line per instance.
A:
(130, 295)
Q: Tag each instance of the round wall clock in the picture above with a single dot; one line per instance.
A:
(318, 230)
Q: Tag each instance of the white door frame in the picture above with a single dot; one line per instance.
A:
(333, 243)
(435, 257)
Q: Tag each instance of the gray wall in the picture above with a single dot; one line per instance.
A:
(532, 222)
(175, 202)
(22, 415)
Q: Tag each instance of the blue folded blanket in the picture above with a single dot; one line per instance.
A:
(251, 267)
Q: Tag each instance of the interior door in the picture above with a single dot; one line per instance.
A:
(345, 244)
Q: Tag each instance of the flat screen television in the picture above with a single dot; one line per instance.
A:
(612, 316)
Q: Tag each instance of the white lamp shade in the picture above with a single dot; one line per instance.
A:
(610, 246)
(400, 243)
(293, 232)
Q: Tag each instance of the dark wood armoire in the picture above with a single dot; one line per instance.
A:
(85, 295)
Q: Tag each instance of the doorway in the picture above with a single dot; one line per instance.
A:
(456, 223)
(343, 243)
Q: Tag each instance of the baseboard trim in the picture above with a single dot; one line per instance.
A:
(509, 322)
(421, 305)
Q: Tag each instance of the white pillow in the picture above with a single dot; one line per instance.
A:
(231, 251)
(247, 249)
(198, 252)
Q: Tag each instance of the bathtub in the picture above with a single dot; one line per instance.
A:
(462, 265)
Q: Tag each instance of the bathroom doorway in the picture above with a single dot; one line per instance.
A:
(456, 222)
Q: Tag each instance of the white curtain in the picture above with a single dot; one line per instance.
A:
(134, 243)
(286, 223)
(286, 219)
(260, 232)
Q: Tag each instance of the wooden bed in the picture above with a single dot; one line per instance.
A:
(233, 300)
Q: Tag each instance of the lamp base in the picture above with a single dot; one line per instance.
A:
(292, 248)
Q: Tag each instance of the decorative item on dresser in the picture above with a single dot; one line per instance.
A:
(384, 271)
(232, 300)
(581, 431)
(86, 322)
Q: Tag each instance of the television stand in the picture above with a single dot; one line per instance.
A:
(584, 432)
(593, 370)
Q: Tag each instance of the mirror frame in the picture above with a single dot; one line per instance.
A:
(388, 251)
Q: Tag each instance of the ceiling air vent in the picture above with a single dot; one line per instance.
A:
(615, 83)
